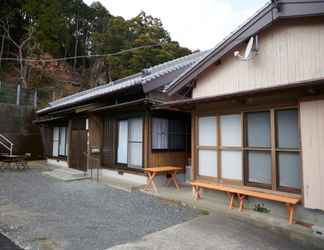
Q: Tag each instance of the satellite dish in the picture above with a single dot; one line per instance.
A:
(250, 50)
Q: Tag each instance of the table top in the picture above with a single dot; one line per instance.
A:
(163, 169)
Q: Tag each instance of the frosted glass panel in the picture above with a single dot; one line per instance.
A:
(207, 163)
(289, 170)
(258, 125)
(62, 141)
(160, 133)
(287, 129)
(260, 167)
(135, 129)
(135, 155)
(56, 134)
(232, 165)
(207, 131)
(231, 130)
(122, 142)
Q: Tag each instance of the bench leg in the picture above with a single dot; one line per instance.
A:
(241, 198)
(291, 211)
(196, 193)
(230, 197)
(151, 183)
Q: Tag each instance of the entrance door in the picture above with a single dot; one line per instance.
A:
(78, 159)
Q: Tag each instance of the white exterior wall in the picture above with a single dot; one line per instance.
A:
(312, 137)
(289, 51)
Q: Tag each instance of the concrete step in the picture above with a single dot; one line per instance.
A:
(65, 176)
(127, 186)
(70, 171)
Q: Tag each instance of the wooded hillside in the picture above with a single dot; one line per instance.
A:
(47, 29)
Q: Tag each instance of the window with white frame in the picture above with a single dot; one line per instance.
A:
(168, 134)
(59, 141)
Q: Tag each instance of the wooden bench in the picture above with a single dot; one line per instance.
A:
(19, 162)
(243, 193)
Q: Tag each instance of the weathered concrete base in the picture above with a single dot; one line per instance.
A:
(216, 202)
(58, 163)
(215, 231)
(116, 183)
(135, 178)
(66, 174)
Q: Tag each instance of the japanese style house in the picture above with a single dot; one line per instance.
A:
(258, 117)
(116, 123)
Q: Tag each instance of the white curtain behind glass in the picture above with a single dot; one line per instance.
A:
(56, 134)
(62, 141)
(135, 141)
(160, 133)
(122, 141)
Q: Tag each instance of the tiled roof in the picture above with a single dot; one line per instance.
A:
(146, 76)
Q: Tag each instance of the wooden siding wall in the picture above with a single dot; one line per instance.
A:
(312, 137)
(167, 158)
(95, 136)
(151, 158)
(289, 51)
(109, 144)
(162, 158)
(95, 131)
(47, 140)
(77, 143)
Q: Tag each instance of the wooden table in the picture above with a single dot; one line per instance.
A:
(18, 160)
(154, 171)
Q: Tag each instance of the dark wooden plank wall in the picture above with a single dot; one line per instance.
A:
(47, 140)
(78, 144)
(109, 142)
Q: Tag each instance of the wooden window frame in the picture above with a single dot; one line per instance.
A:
(59, 156)
(219, 149)
(286, 150)
(273, 149)
(122, 165)
(168, 134)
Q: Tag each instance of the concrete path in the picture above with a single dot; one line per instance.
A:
(213, 232)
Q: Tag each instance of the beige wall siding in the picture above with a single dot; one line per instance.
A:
(289, 51)
(312, 136)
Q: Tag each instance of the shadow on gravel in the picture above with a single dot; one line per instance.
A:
(6, 244)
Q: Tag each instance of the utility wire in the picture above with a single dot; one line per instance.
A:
(77, 57)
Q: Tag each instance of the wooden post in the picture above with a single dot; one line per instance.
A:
(193, 146)
(35, 99)
(18, 95)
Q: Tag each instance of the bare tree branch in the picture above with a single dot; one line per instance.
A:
(5, 26)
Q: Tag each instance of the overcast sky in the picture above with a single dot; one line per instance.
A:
(196, 24)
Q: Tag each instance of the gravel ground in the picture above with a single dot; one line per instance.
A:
(38, 212)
